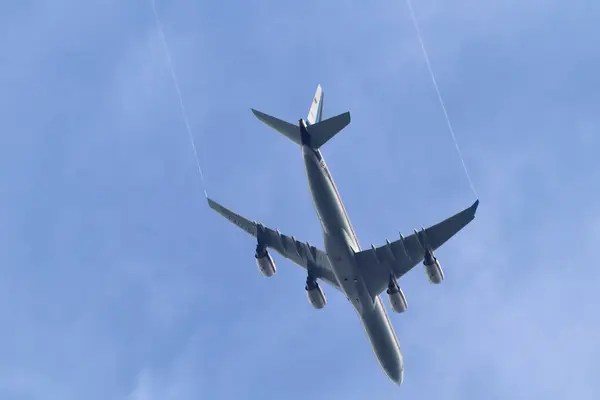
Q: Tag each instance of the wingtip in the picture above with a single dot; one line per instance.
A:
(259, 114)
(475, 206)
(211, 202)
(348, 116)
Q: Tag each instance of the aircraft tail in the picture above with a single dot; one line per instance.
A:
(315, 113)
(314, 131)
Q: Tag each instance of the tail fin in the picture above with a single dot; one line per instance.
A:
(319, 131)
(315, 113)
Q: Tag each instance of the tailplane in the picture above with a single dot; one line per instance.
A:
(314, 131)
(288, 130)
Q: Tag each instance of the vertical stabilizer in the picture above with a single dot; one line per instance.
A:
(315, 114)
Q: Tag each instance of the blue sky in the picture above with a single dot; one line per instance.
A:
(118, 282)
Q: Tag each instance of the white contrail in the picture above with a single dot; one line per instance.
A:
(439, 95)
(178, 90)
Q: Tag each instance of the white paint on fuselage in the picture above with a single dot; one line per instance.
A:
(341, 244)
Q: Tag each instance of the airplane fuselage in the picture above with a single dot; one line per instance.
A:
(340, 244)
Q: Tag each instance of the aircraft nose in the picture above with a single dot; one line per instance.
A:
(396, 372)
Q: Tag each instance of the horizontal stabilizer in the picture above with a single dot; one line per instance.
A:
(291, 131)
(322, 131)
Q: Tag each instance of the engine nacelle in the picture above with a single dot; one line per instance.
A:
(397, 299)
(435, 274)
(315, 294)
(265, 263)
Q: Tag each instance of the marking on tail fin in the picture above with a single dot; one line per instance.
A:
(315, 113)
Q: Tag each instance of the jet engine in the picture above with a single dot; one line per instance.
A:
(265, 262)
(396, 296)
(435, 274)
(315, 294)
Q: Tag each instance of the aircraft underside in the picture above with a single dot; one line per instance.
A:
(361, 275)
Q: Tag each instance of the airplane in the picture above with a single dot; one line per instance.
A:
(361, 275)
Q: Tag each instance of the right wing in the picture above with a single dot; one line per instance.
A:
(402, 255)
(303, 254)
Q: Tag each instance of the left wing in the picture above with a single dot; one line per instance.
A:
(303, 254)
(400, 256)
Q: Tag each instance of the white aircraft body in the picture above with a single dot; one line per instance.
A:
(362, 275)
